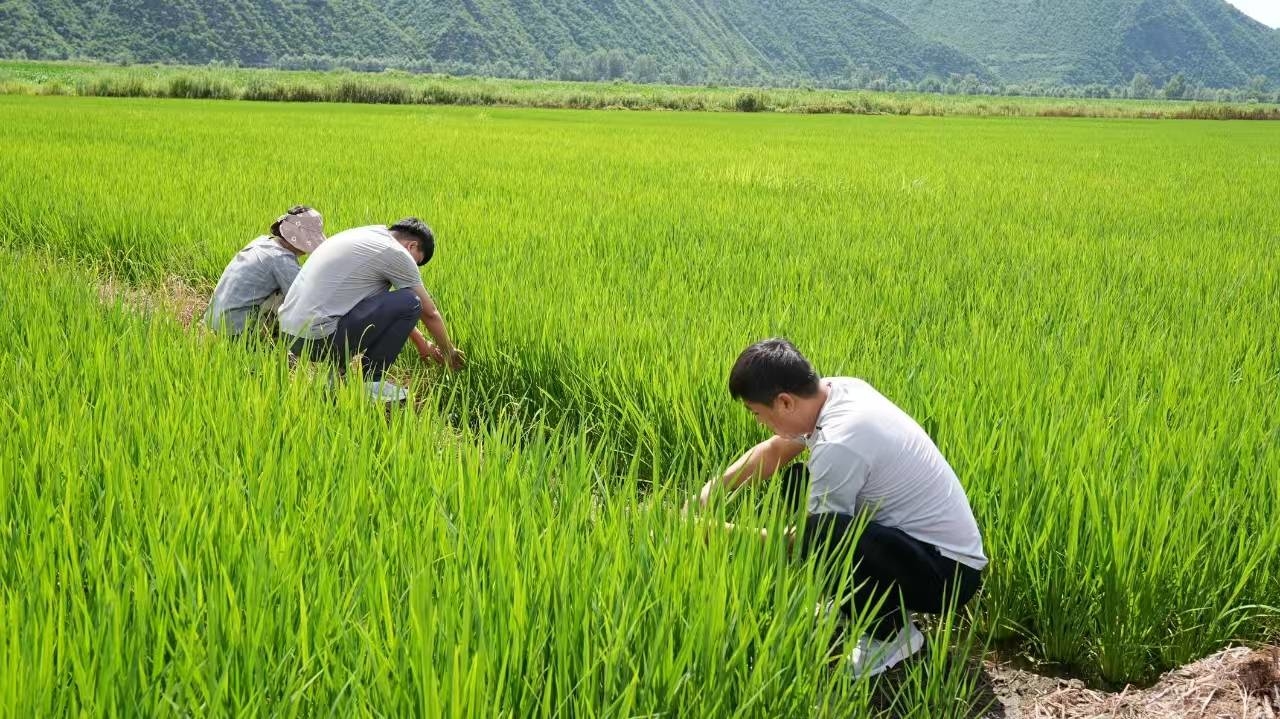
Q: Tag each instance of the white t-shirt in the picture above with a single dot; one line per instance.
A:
(866, 454)
(344, 270)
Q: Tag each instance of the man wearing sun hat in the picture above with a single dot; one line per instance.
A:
(254, 284)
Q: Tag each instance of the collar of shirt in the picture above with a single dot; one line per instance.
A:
(816, 435)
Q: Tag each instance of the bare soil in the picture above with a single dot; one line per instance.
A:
(1240, 682)
(173, 297)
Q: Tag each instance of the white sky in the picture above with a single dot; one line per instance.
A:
(1265, 11)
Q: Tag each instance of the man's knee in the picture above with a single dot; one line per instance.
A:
(840, 539)
(827, 535)
(405, 303)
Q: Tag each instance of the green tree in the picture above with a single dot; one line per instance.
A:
(1257, 87)
(570, 64)
(644, 69)
(688, 74)
(615, 64)
(1141, 87)
(597, 65)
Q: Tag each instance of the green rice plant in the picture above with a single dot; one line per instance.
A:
(192, 527)
(1084, 314)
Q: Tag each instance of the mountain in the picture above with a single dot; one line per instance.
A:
(195, 31)
(827, 41)
(1100, 41)
(814, 39)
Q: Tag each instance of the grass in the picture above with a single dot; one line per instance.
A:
(401, 88)
(1083, 313)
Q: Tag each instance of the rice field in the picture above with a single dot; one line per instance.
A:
(1085, 314)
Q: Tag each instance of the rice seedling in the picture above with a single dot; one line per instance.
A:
(1084, 314)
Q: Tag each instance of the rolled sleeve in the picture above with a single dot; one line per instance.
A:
(400, 270)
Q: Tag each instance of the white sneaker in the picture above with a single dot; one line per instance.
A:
(871, 657)
(385, 391)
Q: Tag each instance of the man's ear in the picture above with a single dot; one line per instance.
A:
(784, 402)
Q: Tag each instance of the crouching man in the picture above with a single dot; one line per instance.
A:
(871, 466)
(361, 293)
(253, 285)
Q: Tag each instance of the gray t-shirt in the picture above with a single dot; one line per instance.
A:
(347, 268)
(866, 454)
(260, 270)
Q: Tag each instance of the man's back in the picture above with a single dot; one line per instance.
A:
(261, 269)
(869, 455)
(349, 267)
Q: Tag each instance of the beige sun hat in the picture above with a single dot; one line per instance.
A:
(305, 231)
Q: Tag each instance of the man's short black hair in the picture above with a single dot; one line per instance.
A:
(418, 230)
(768, 368)
(295, 210)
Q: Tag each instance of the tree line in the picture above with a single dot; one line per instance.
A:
(615, 65)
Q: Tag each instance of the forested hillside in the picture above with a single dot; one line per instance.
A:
(839, 42)
(740, 39)
(1101, 41)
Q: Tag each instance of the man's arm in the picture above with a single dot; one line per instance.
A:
(838, 472)
(401, 273)
(285, 270)
(426, 350)
(762, 460)
(788, 533)
(434, 322)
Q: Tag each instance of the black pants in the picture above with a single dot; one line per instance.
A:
(376, 329)
(914, 574)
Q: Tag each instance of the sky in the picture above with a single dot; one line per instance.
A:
(1265, 11)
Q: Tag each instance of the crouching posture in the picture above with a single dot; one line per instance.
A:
(362, 294)
(253, 285)
(871, 467)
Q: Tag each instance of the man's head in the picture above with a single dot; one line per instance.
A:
(416, 237)
(302, 228)
(778, 385)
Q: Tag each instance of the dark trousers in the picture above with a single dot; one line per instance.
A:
(910, 574)
(376, 329)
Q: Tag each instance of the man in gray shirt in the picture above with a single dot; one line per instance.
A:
(361, 293)
(255, 281)
(877, 492)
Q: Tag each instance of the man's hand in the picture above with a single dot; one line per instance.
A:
(712, 527)
(454, 359)
(699, 500)
(704, 496)
(431, 353)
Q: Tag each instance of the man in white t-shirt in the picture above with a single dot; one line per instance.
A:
(871, 468)
(361, 293)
